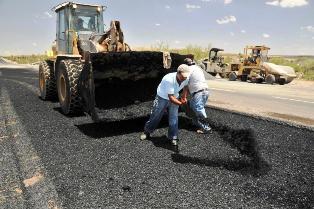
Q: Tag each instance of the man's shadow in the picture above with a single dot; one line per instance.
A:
(164, 142)
(243, 140)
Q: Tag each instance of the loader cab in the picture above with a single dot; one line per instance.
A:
(256, 54)
(74, 19)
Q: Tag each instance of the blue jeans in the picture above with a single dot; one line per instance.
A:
(197, 104)
(159, 107)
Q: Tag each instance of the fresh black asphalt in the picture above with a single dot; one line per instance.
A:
(244, 163)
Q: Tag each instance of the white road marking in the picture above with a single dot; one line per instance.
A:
(222, 89)
(296, 100)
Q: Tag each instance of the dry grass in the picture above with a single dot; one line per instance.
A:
(26, 59)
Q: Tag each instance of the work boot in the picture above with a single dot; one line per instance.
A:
(144, 136)
(174, 142)
(204, 131)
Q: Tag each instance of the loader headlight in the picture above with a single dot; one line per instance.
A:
(74, 6)
(99, 9)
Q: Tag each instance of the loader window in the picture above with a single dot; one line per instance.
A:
(61, 25)
(89, 18)
(62, 28)
(264, 56)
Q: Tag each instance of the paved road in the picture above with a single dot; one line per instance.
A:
(293, 102)
(49, 160)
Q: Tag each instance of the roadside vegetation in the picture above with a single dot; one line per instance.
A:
(26, 59)
(303, 65)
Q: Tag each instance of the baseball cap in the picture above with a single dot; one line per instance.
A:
(184, 70)
(188, 61)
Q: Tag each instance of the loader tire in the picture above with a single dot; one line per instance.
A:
(232, 76)
(213, 74)
(270, 79)
(222, 75)
(47, 81)
(281, 81)
(244, 78)
(68, 75)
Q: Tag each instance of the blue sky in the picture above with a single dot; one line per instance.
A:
(287, 26)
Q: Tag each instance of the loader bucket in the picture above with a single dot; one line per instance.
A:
(120, 79)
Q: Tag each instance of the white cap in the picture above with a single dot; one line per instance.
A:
(184, 70)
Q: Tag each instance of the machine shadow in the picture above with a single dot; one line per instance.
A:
(116, 128)
(108, 128)
(54, 100)
(58, 109)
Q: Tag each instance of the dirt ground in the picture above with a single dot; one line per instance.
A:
(302, 83)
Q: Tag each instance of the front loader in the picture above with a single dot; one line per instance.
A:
(90, 70)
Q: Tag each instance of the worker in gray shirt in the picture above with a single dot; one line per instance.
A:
(199, 92)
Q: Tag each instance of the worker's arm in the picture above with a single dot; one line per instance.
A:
(174, 100)
(184, 94)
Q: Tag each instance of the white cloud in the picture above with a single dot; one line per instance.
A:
(265, 35)
(231, 33)
(167, 7)
(243, 31)
(288, 3)
(192, 6)
(48, 14)
(313, 37)
(45, 15)
(227, 1)
(308, 28)
(157, 24)
(224, 1)
(34, 44)
(177, 42)
(226, 19)
(273, 3)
